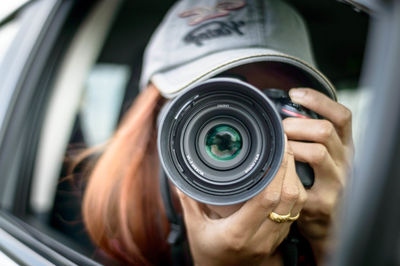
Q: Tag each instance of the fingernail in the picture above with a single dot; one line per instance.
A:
(297, 93)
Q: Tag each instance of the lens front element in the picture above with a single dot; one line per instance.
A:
(223, 143)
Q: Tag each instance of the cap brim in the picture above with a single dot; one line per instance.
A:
(171, 82)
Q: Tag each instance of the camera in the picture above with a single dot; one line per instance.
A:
(221, 142)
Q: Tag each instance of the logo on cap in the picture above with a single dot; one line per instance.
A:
(213, 29)
(221, 9)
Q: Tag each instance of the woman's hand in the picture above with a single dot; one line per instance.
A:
(245, 235)
(329, 150)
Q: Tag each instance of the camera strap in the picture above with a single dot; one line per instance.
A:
(177, 235)
(290, 249)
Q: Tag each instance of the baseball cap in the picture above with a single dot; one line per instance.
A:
(200, 39)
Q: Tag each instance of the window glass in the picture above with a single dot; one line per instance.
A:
(102, 100)
(5, 260)
(7, 34)
(338, 34)
(10, 29)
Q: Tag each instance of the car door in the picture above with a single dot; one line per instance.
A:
(46, 30)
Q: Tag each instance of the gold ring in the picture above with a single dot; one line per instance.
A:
(277, 218)
(294, 218)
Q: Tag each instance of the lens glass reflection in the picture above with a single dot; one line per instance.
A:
(223, 143)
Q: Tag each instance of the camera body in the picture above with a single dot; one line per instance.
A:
(286, 108)
(221, 142)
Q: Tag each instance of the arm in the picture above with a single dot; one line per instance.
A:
(244, 235)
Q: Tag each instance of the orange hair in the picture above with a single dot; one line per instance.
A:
(122, 206)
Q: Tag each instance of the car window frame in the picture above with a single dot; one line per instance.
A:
(69, 83)
(369, 228)
(20, 70)
(26, 84)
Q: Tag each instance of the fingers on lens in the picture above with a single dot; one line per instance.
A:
(345, 118)
(300, 202)
(235, 240)
(320, 130)
(292, 197)
(192, 209)
(315, 154)
(324, 207)
(341, 117)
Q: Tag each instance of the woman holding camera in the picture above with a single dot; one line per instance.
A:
(123, 208)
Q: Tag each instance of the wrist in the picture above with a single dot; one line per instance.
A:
(321, 240)
(273, 260)
(322, 249)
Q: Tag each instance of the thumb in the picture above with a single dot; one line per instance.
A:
(192, 210)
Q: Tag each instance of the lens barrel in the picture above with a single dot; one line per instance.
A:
(221, 142)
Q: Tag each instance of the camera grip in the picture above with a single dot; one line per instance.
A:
(286, 108)
(306, 174)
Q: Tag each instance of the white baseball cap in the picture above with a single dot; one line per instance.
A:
(200, 39)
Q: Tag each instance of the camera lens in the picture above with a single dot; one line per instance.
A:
(223, 143)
